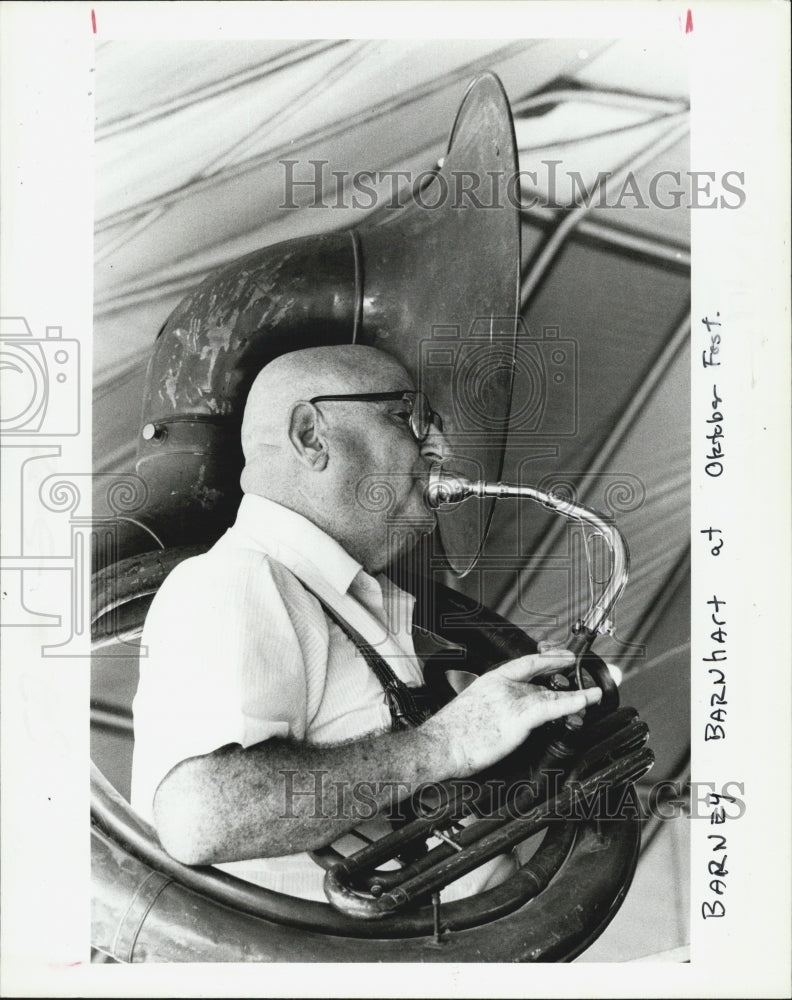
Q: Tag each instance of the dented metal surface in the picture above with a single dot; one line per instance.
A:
(280, 298)
(298, 294)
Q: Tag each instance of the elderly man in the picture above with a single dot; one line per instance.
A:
(256, 710)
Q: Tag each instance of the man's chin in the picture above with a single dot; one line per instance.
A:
(407, 531)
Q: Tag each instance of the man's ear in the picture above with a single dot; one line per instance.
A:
(306, 436)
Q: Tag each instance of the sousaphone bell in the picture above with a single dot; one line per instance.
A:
(435, 283)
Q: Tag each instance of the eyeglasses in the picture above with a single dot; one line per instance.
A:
(421, 414)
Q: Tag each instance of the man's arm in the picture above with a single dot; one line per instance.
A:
(280, 797)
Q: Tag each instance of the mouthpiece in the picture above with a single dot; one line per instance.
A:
(446, 489)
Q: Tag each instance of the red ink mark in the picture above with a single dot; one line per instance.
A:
(93, 19)
(71, 965)
(689, 22)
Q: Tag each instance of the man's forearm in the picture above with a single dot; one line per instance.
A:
(236, 803)
(280, 797)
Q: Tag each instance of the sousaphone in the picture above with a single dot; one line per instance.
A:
(435, 283)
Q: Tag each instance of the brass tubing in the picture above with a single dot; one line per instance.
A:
(619, 732)
(619, 772)
(626, 740)
(488, 845)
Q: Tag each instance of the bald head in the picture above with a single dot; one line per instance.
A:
(352, 467)
(301, 375)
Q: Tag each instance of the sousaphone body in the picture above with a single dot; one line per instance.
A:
(436, 284)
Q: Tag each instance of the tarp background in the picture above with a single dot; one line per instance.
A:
(188, 142)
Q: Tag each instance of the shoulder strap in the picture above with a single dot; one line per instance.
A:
(409, 706)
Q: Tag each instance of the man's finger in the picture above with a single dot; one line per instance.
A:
(557, 704)
(526, 667)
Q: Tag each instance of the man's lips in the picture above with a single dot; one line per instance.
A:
(422, 485)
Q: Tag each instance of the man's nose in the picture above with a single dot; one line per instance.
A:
(434, 447)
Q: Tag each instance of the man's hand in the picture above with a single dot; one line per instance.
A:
(498, 711)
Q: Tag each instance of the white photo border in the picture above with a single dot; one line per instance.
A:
(741, 265)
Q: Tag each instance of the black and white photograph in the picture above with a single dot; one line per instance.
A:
(375, 556)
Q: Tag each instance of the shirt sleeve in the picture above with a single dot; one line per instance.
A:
(220, 663)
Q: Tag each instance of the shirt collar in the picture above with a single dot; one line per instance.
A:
(295, 541)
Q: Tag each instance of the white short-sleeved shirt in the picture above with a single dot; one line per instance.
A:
(236, 650)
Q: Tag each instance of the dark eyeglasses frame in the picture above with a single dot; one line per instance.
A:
(420, 430)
